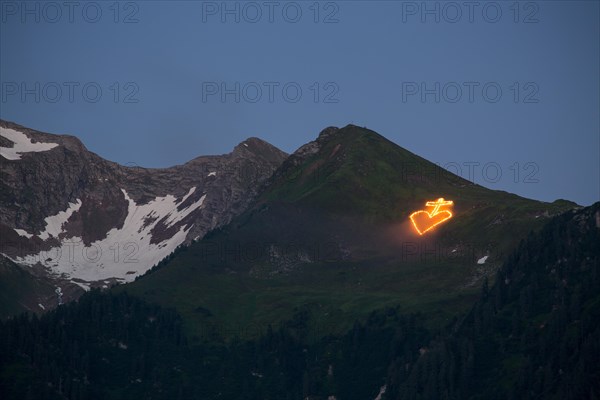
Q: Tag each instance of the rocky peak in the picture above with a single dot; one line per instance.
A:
(260, 148)
(329, 132)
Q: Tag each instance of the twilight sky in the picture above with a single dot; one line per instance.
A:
(504, 93)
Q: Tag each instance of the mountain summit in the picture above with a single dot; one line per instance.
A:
(331, 232)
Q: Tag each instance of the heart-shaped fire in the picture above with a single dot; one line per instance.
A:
(424, 221)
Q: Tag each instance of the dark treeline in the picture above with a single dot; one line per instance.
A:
(533, 334)
(108, 346)
(83, 350)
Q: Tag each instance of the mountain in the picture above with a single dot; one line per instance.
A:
(533, 334)
(323, 288)
(330, 234)
(79, 221)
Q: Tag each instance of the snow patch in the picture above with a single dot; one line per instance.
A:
(482, 260)
(188, 194)
(212, 174)
(125, 253)
(23, 232)
(381, 392)
(175, 217)
(84, 286)
(22, 144)
(59, 295)
(54, 223)
(41, 306)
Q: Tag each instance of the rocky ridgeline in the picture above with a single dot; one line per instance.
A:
(54, 193)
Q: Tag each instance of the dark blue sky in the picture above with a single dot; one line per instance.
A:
(431, 87)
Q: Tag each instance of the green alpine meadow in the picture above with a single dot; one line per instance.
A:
(346, 247)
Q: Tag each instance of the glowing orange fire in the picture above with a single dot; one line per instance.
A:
(424, 221)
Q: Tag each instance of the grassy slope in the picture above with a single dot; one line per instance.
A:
(358, 189)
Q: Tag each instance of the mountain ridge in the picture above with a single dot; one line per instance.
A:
(75, 218)
(330, 231)
(74, 142)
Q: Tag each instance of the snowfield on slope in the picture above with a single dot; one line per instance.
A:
(22, 144)
(54, 223)
(125, 253)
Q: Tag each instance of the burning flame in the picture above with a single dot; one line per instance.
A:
(435, 216)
